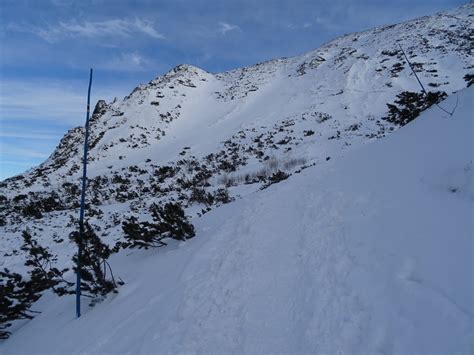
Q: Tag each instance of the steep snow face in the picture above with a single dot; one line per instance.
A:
(371, 253)
(203, 139)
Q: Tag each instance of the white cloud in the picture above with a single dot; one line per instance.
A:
(147, 28)
(227, 27)
(133, 61)
(92, 29)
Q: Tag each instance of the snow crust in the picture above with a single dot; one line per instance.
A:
(370, 254)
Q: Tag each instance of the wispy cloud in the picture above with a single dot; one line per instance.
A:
(92, 29)
(35, 100)
(15, 157)
(22, 164)
(133, 61)
(35, 114)
(24, 153)
(36, 135)
(304, 25)
(62, 2)
(225, 27)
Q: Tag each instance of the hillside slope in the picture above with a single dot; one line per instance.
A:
(371, 254)
(203, 139)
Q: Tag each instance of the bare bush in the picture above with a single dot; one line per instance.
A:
(271, 166)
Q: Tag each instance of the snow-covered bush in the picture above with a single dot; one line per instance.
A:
(16, 299)
(469, 78)
(169, 221)
(17, 294)
(410, 104)
(94, 267)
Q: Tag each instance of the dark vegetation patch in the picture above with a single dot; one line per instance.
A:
(409, 105)
(469, 78)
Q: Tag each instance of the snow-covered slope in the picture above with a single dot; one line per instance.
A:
(203, 139)
(372, 253)
(347, 245)
(351, 78)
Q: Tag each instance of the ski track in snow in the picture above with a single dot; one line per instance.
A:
(228, 299)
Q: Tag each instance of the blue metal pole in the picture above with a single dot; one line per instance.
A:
(83, 199)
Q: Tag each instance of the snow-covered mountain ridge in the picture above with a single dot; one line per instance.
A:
(203, 139)
(369, 254)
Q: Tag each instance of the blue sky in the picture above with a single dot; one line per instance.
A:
(48, 46)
